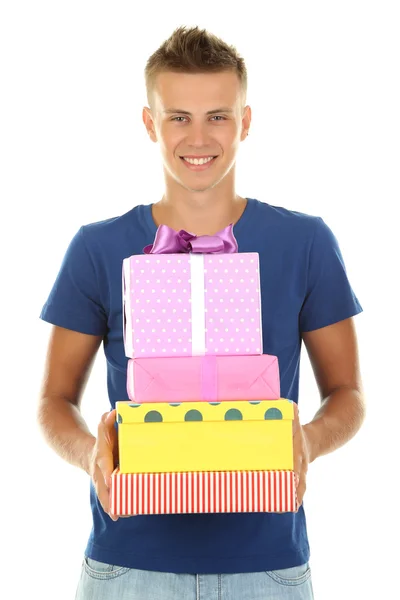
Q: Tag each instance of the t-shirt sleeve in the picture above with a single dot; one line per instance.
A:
(74, 301)
(329, 295)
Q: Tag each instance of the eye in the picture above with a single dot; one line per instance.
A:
(214, 117)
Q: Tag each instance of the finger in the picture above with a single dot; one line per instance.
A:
(110, 433)
(106, 445)
(302, 485)
(299, 485)
(298, 468)
(296, 485)
(107, 422)
(105, 459)
(297, 455)
(296, 418)
(113, 516)
(109, 418)
(105, 462)
(103, 493)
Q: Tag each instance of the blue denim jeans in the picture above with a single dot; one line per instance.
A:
(101, 581)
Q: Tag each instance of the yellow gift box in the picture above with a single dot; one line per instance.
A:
(205, 436)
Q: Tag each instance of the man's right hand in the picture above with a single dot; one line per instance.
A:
(103, 458)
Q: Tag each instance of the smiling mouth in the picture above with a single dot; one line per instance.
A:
(184, 157)
(195, 166)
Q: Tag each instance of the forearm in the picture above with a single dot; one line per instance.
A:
(65, 430)
(338, 419)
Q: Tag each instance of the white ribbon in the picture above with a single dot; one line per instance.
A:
(198, 304)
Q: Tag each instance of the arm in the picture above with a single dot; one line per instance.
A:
(334, 358)
(333, 355)
(69, 361)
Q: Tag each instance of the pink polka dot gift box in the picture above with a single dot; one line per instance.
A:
(191, 296)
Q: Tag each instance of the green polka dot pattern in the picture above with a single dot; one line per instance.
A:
(233, 414)
(153, 416)
(179, 412)
(193, 415)
(273, 414)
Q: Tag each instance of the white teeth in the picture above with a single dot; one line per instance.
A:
(198, 161)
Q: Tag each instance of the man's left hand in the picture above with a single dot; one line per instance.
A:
(301, 454)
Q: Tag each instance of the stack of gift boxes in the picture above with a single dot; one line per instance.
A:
(204, 429)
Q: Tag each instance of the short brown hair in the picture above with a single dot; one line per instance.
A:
(194, 50)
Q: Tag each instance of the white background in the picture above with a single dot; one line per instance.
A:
(324, 90)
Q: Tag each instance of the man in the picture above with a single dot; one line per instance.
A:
(196, 86)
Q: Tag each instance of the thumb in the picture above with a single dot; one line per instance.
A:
(105, 458)
(105, 462)
(106, 465)
(108, 419)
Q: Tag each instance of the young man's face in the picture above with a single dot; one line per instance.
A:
(182, 122)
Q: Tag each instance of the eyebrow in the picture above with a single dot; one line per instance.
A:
(186, 112)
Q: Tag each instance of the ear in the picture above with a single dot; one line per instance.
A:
(149, 123)
(246, 120)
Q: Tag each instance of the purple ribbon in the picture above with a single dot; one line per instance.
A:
(169, 241)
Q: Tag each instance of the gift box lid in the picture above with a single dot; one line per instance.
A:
(243, 410)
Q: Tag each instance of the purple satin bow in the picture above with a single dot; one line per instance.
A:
(169, 241)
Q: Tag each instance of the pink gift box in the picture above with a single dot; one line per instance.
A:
(203, 378)
(202, 492)
(192, 305)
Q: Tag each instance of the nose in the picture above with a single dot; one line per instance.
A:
(197, 135)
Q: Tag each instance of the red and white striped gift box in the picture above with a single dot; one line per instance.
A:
(202, 492)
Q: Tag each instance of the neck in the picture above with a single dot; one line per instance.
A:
(201, 216)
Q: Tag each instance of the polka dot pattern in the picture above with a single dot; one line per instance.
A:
(153, 416)
(233, 304)
(154, 412)
(273, 414)
(159, 300)
(193, 415)
(233, 414)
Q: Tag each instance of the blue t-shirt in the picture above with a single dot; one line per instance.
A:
(304, 286)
